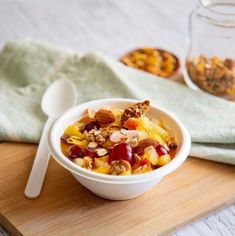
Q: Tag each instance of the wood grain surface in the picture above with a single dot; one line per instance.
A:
(112, 27)
(66, 208)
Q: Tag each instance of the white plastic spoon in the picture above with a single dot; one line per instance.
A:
(60, 96)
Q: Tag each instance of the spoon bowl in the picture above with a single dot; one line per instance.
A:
(59, 97)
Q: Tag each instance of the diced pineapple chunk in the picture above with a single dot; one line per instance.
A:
(79, 161)
(103, 170)
(72, 130)
(117, 114)
(160, 131)
(80, 143)
(151, 155)
(142, 135)
(163, 160)
(143, 123)
(127, 172)
(156, 137)
(153, 129)
(83, 143)
(101, 162)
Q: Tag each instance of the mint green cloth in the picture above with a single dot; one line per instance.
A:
(28, 66)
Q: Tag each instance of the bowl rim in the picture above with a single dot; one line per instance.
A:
(180, 157)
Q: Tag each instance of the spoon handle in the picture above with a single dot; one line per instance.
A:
(37, 174)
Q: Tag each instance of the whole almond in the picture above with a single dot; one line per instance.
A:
(139, 149)
(104, 116)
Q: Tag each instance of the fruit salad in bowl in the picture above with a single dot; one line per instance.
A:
(119, 141)
(119, 148)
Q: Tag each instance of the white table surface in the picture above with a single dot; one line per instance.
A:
(112, 27)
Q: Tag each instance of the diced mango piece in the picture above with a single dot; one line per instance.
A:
(131, 124)
(104, 158)
(163, 160)
(72, 130)
(103, 170)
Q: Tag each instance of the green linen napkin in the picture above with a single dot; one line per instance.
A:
(28, 66)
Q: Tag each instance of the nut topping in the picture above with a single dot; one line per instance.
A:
(172, 143)
(104, 116)
(101, 152)
(92, 145)
(121, 136)
(143, 144)
(120, 167)
(88, 162)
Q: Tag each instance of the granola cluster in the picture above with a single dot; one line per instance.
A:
(135, 111)
(98, 136)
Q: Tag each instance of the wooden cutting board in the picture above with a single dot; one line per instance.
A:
(67, 208)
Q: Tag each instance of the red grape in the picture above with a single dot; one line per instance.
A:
(75, 152)
(92, 125)
(89, 152)
(122, 151)
(161, 150)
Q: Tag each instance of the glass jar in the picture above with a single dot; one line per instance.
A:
(210, 62)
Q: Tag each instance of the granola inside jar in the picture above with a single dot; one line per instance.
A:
(210, 63)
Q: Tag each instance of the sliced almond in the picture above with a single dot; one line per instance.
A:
(91, 113)
(119, 135)
(139, 149)
(116, 136)
(137, 158)
(92, 145)
(101, 152)
(88, 162)
(121, 167)
(79, 162)
(166, 147)
(124, 131)
(97, 132)
(132, 142)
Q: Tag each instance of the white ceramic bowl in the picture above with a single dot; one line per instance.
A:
(118, 187)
